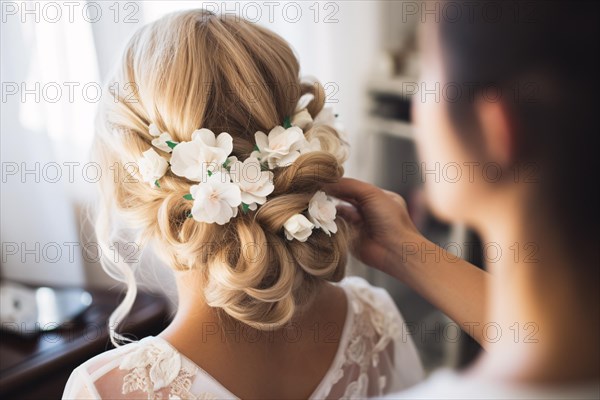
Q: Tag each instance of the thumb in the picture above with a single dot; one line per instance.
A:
(352, 190)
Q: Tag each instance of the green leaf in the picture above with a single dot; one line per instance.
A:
(256, 148)
(188, 196)
(156, 183)
(209, 173)
(287, 122)
(245, 208)
(226, 164)
(190, 215)
(171, 144)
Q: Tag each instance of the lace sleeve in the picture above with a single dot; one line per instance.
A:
(79, 386)
(399, 362)
(377, 358)
(406, 361)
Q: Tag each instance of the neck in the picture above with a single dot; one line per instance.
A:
(195, 318)
(192, 308)
(545, 324)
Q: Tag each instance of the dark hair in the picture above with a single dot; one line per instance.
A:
(542, 57)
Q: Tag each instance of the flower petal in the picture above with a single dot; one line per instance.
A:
(187, 161)
(153, 130)
(276, 133)
(287, 160)
(205, 136)
(225, 142)
(161, 142)
(262, 141)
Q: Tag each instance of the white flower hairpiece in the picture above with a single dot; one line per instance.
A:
(321, 214)
(254, 183)
(152, 167)
(298, 227)
(206, 152)
(226, 183)
(281, 147)
(161, 140)
(216, 200)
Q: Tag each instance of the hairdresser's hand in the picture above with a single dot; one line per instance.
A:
(381, 220)
(388, 240)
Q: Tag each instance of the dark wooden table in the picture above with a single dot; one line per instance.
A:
(38, 367)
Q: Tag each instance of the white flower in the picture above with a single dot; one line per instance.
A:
(322, 212)
(152, 166)
(302, 119)
(281, 147)
(161, 139)
(216, 200)
(298, 227)
(205, 153)
(161, 142)
(255, 184)
(153, 130)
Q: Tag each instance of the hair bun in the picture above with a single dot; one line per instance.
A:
(252, 272)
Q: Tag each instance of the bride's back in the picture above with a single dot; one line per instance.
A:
(365, 352)
(285, 363)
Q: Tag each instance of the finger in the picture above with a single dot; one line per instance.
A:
(347, 202)
(352, 190)
(395, 197)
(349, 213)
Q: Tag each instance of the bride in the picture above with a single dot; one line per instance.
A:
(230, 152)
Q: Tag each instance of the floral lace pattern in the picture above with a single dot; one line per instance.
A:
(155, 367)
(373, 329)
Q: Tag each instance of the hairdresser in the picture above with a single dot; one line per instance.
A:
(541, 294)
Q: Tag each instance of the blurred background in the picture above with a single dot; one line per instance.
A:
(55, 57)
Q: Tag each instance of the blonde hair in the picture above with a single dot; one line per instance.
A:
(192, 70)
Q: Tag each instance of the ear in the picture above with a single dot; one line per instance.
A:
(497, 132)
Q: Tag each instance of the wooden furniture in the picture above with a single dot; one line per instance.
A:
(38, 367)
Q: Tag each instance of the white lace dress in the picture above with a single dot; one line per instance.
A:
(376, 356)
